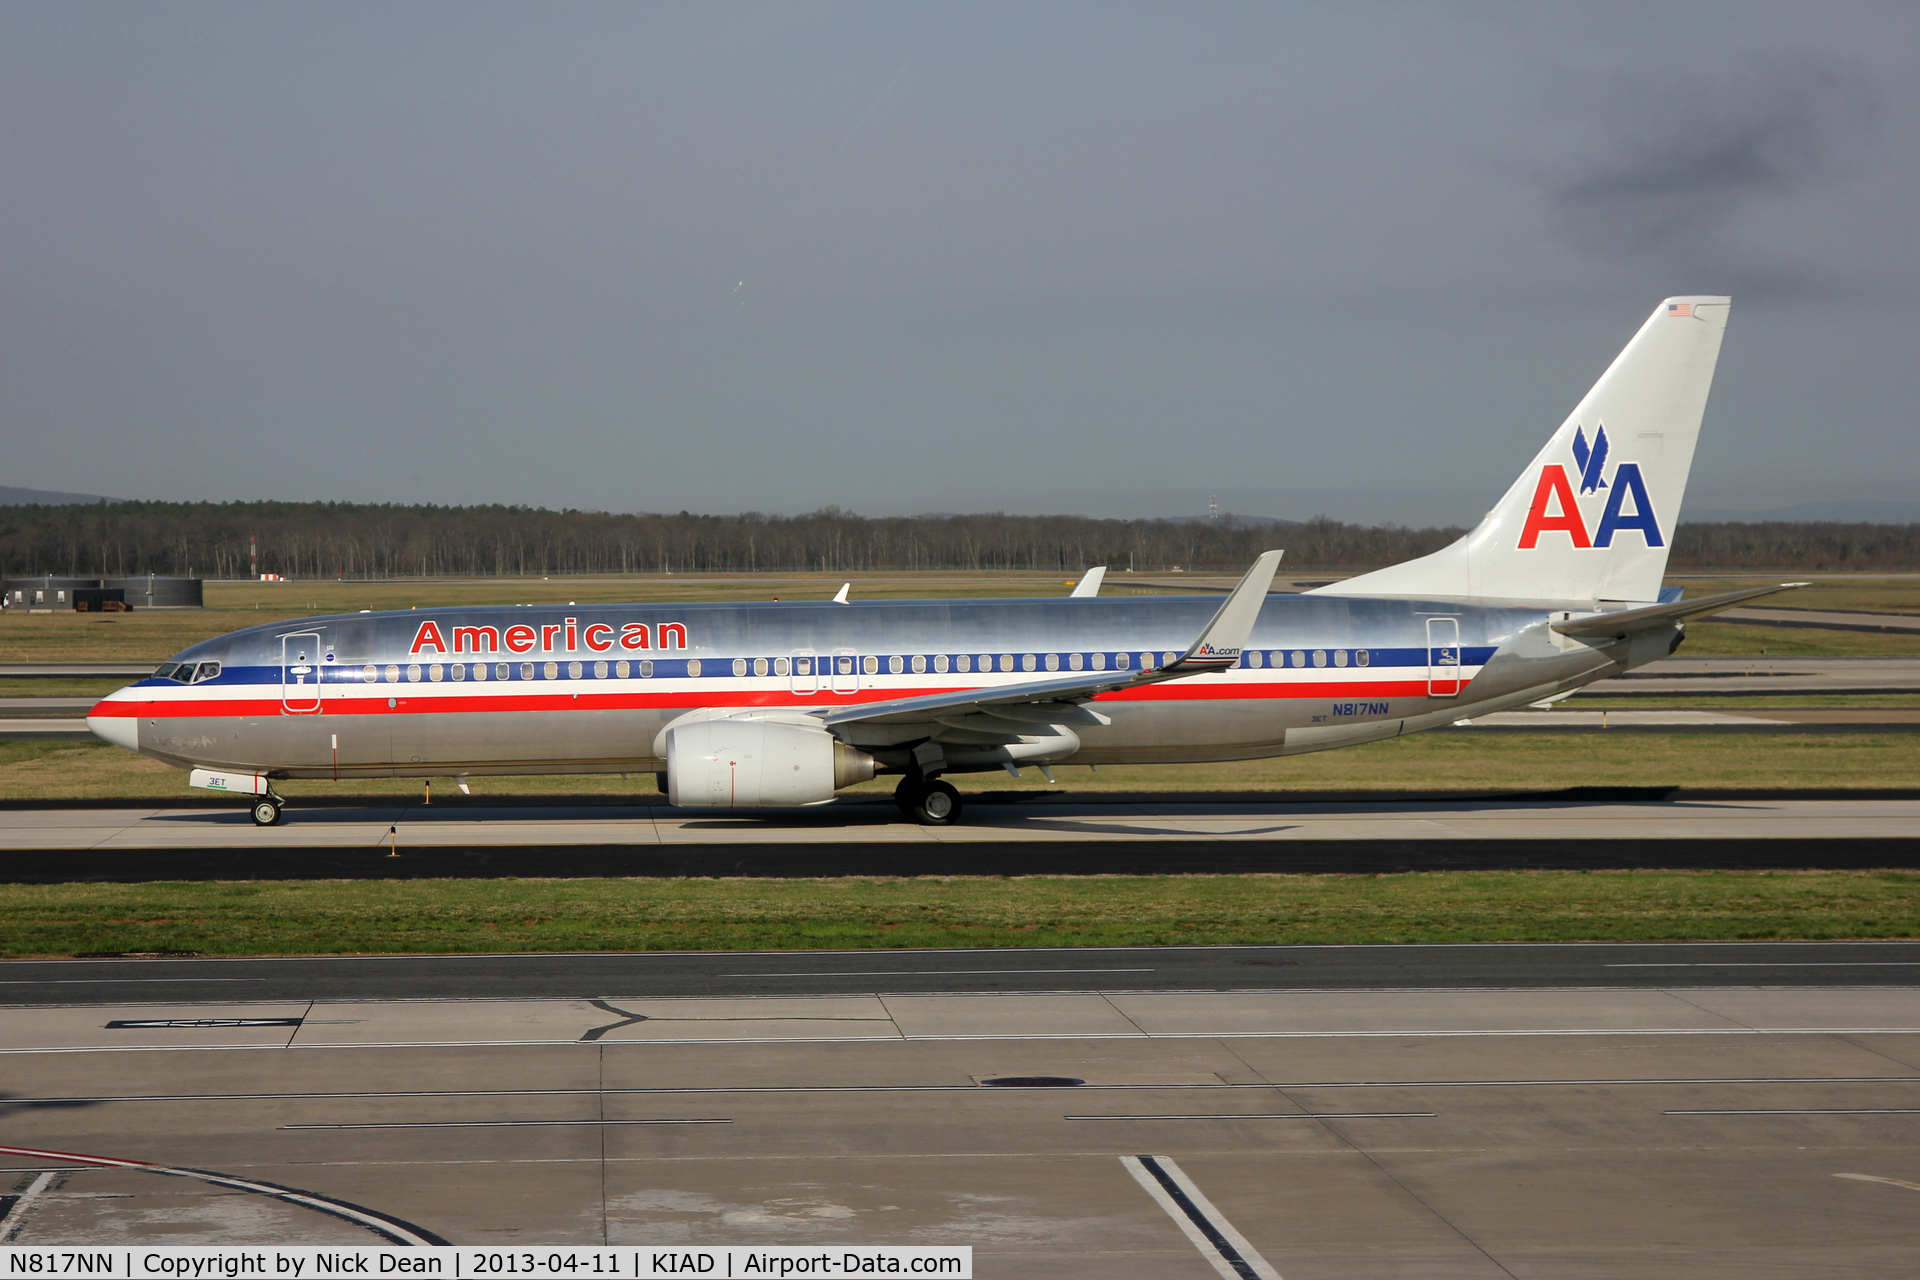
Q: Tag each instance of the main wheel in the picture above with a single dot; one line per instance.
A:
(937, 805)
(907, 795)
(266, 812)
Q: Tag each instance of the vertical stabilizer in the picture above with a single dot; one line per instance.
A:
(1592, 517)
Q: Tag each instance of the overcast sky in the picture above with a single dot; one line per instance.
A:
(1098, 258)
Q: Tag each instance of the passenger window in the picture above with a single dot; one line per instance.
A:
(436, 673)
(1253, 658)
(782, 667)
(600, 671)
(552, 671)
(623, 668)
(1168, 659)
(413, 672)
(1119, 662)
(370, 673)
(1299, 657)
(894, 665)
(940, 662)
(1006, 661)
(1026, 662)
(919, 663)
(1339, 657)
(574, 670)
(1053, 662)
(479, 671)
(646, 668)
(870, 664)
(526, 671)
(1360, 656)
(1099, 662)
(759, 666)
(963, 663)
(693, 666)
(739, 666)
(1075, 661)
(393, 675)
(459, 670)
(1319, 657)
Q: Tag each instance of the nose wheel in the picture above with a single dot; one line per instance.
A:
(266, 811)
(931, 804)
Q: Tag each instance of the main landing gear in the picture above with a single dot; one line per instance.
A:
(931, 803)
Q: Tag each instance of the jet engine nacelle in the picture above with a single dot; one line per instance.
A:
(741, 764)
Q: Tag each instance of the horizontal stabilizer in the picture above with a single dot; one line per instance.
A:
(1089, 584)
(1628, 621)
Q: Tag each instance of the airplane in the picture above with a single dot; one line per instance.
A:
(783, 703)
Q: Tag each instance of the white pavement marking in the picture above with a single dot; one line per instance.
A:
(899, 973)
(1776, 964)
(1801, 1111)
(1226, 1249)
(1868, 1177)
(381, 1225)
(24, 1205)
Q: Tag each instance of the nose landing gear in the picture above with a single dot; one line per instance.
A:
(266, 810)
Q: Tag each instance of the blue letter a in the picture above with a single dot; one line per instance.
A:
(1626, 480)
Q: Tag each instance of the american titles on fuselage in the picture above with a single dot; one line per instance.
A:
(562, 637)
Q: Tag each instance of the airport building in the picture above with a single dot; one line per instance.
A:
(53, 591)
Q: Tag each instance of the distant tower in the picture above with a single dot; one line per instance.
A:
(253, 559)
(1213, 507)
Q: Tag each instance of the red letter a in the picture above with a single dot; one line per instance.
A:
(428, 637)
(1553, 485)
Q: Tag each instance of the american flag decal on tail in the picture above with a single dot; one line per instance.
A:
(1680, 308)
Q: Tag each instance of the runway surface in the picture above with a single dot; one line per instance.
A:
(1567, 1132)
(718, 974)
(639, 833)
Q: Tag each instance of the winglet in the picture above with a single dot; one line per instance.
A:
(1223, 638)
(840, 596)
(1089, 584)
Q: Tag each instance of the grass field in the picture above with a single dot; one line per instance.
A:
(1433, 762)
(345, 917)
(153, 634)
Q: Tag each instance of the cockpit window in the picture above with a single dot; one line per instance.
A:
(184, 673)
(164, 671)
(207, 671)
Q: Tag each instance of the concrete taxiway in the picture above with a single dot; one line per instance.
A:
(1550, 1133)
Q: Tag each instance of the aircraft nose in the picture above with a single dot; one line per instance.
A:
(117, 720)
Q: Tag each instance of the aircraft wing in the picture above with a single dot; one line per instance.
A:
(1216, 648)
(1653, 616)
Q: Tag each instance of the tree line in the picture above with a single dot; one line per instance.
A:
(354, 540)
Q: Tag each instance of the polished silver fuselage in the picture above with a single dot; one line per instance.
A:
(589, 688)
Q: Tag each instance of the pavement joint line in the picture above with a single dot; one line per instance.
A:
(1272, 1115)
(502, 1124)
(1513, 1032)
(1282, 1085)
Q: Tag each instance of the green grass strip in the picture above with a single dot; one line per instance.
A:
(424, 916)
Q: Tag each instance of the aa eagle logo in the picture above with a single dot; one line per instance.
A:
(1555, 509)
